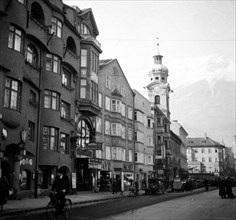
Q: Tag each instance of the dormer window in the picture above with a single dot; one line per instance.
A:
(84, 29)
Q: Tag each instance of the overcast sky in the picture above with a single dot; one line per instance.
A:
(193, 36)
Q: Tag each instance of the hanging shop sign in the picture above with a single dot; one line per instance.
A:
(93, 146)
(83, 152)
(26, 161)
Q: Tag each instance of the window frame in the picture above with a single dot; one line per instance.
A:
(56, 27)
(16, 38)
(11, 95)
(52, 138)
(53, 63)
(51, 97)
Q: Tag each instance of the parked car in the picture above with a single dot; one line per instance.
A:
(177, 185)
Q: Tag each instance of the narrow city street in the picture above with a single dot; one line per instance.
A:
(203, 206)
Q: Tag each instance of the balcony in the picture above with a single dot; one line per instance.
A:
(89, 38)
(88, 107)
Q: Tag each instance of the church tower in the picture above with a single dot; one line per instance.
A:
(159, 88)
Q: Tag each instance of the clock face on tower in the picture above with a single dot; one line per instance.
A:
(157, 90)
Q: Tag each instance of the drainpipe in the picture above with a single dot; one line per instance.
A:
(38, 129)
(133, 134)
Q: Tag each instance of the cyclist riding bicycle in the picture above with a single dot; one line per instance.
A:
(61, 187)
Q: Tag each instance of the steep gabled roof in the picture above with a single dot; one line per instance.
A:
(106, 62)
(84, 13)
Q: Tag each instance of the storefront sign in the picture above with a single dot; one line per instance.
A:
(84, 152)
(95, 166)
(93, 146)
(95, 160)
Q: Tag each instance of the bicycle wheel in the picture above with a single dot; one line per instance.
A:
(50, 212)
(67, 209)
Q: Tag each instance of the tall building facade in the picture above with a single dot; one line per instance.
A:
(158, 93)
(115, 128)
(210, 153)
(143, 139)
(49, 62)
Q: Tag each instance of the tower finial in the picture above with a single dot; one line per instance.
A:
(158, 53)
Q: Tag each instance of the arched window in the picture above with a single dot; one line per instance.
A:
(32, 55)
(157, 99)
(37, 12)
(84, 133)
(71, 45)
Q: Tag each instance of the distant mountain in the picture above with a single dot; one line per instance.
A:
(206, 107)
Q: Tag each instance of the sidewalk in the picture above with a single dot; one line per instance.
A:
(26, 205)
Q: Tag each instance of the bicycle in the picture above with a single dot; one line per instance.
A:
(54, 210)
(133, 191)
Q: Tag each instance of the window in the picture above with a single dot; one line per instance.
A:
(64, 143)
(115, 105)
(32, 55)
(108, 82)
(66, 78)
(108, 103)
(130, 134)
(56, 27)
(65, 110)
(209, 151)
(12, 95)
(130, 113)
(135, 116)
(84, 54)
(70, 43)
(82, 92)
(15, 39)
(53, 63)
(84, 133)
(84, 29)
(50, 138)
(159, 141)
(150, 141)
(33, 97)
(100, 100)
(203, 159)
(107, 127)
(196, 151)
(122, 106)
(94, 62)
(114, 153)
(203, 151)
(123, 154)
(158, 121)
(51, 100)
(37, 13)
(123, 131)
(98, 124)
(149, 122)
(216, 151)
(94, 92)
(108, 153)
(157, 99)
(31, 131)
(130, 156)
(24, 178)
(216, 159)
(115, 129)
(210, 159)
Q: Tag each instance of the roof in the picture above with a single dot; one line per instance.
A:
(202, 142)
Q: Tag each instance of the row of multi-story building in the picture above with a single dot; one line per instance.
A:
(61, 107)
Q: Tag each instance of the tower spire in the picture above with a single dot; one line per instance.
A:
(158, 52)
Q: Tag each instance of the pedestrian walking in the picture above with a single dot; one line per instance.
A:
(228, 186)
(4, 191)
(206, 184)
(222, 188)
